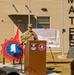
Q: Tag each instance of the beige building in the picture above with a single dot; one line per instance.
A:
(53, 14)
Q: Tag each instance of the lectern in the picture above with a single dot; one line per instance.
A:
(35, 58)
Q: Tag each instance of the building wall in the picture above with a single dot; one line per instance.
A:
(8, 27)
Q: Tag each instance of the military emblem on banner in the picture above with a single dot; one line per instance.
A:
(33, 46)
(41, 47)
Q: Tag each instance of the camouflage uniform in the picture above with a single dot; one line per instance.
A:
(28, 36)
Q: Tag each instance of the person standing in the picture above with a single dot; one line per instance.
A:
(28, 35)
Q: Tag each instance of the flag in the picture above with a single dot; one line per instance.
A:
(16, 34)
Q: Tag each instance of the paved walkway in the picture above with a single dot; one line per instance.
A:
(9, 67)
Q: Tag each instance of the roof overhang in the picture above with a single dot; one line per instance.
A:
(23, 14)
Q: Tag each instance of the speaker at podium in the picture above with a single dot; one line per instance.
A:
(35, 58)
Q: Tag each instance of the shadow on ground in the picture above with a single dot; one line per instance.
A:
(51, 70)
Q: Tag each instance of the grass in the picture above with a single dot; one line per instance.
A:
(61, 66)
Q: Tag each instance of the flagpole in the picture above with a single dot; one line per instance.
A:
(62, 15)
(63, 30)
(28, 11)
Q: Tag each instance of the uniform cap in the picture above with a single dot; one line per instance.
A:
(29, 25)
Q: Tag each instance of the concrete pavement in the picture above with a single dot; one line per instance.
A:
(9, 67)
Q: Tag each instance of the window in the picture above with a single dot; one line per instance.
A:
(43, 22)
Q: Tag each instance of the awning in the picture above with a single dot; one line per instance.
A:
(20, 14)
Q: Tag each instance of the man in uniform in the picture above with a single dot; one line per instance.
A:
(28, 35)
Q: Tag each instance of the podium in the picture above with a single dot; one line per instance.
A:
(35, 58)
